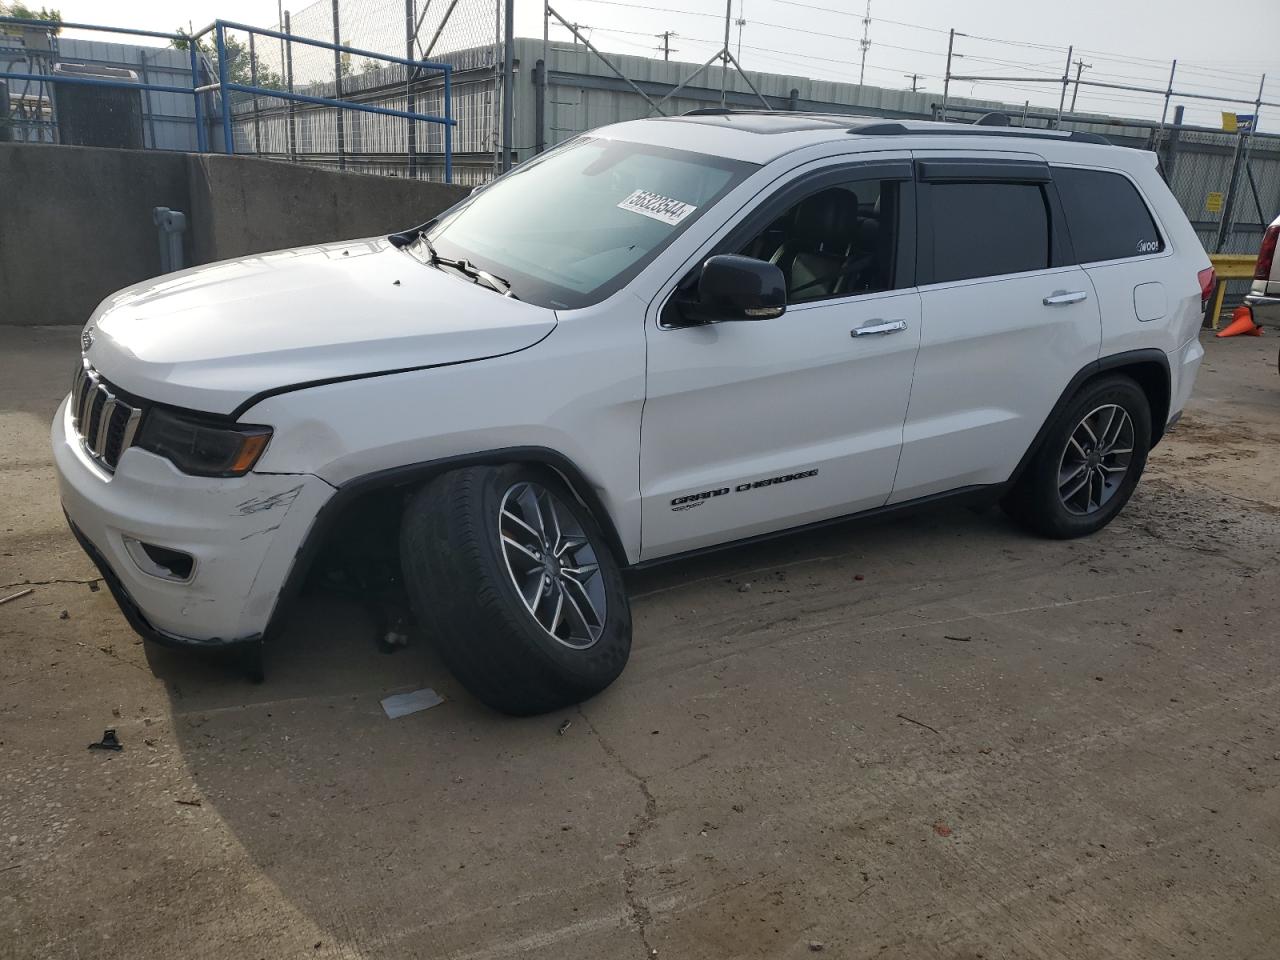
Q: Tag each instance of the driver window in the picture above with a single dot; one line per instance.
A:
(838, 242)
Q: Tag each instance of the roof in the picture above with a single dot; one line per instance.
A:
(759, 136)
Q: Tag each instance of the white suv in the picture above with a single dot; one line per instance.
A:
(663, 337)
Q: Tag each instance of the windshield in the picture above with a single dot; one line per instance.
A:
(571, 228)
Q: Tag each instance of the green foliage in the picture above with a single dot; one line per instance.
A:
(16, 8)
(240, 68)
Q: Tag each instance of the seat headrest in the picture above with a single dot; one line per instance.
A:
(829, 217)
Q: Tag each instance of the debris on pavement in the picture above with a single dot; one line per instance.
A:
(941, 829)
(15, 596)
(109, 741)
(403, 704)
(947, 636)
(903, 716)
(64, 615)
(190, 803)
(564, 727)
(816, 946)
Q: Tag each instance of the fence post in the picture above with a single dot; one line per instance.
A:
(228, 139)
(540, 105)
(253, 80)
(409, 76)
(290, 108)
(1171, 145)
(946, 83)
(542, 78)
(508, 78)
(202, 135)
(337, 89)
(1242, 147)
(1066, 82)
(448, 124)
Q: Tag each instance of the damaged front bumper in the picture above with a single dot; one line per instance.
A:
(241, 535)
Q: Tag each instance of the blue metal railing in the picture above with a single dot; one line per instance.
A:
(225, 85)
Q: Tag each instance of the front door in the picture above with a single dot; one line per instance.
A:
(753, 427)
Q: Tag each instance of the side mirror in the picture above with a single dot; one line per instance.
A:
(734, 287)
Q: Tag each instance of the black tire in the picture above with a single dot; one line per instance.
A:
(464, 593)
(1037, 501)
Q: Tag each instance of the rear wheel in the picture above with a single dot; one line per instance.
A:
(513, 579)
(1089, 463)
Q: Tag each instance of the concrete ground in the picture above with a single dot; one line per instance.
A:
(934, 738)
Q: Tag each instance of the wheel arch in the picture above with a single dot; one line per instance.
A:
(410, 476)
(1149, 368)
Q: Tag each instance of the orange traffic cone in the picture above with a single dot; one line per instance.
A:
(1241, 322)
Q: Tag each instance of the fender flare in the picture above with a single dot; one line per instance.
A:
(1148, 355)
(414, 474)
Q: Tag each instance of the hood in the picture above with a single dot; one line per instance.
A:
(211, 337)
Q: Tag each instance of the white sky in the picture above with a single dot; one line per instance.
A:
(1221, 48)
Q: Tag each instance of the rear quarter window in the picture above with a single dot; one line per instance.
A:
(1107, 217)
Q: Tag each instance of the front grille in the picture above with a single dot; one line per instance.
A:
(105, 422)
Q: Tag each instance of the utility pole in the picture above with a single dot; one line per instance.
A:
(865, 42)
(946, 83)
(665, 36)
(1081, 67)
(915, 81)
(740, 23)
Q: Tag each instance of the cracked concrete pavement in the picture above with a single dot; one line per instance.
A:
(930, 738)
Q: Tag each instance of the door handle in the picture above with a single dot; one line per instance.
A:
(1060, 297)
(874, 327)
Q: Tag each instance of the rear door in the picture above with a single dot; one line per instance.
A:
(1007, 318)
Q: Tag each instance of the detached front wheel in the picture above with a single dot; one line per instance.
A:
(512, 578)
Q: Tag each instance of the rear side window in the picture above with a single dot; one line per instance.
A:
(1106, 215)
(988, 229)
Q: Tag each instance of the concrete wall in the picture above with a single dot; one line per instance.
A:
(75, 222)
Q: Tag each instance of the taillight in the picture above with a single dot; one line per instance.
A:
(1267, 254)
(1208, 278)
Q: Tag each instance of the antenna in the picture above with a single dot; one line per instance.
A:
(865, 42)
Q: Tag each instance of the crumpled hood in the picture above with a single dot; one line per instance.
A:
(211, 337)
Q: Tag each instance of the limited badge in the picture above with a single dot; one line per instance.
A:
(657, 206)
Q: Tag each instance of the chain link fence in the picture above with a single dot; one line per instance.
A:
(465, 34)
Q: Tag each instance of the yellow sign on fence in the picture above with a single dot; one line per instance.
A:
(1213, 202)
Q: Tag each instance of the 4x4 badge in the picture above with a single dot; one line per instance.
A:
(86, 339)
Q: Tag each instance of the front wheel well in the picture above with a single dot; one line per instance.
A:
(362, 519)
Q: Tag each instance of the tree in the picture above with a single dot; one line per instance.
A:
(16, 8)
(240, 68)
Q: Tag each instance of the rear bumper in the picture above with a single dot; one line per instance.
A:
(1266, 310)
(242, 533)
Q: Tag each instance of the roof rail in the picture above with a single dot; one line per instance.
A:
(711, 112)
(892, 129)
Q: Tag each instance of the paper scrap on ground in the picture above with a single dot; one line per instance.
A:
(403, 704)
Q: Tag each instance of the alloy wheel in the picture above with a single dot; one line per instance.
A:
(1096, 459)
(553, 565)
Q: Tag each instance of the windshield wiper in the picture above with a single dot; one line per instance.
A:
(467, 268)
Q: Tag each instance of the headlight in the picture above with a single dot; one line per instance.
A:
(201, 447)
